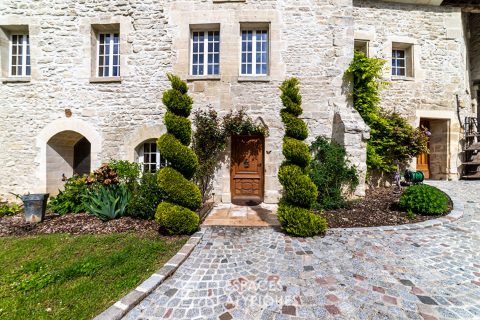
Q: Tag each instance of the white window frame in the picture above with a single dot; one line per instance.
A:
(400, 59)
(205, 52)
(141, 156)
(254, 52)
(110, 55)
(24, 55)
(409, 60)
(366, 43)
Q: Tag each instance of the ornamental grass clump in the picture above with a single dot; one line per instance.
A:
(424, 199)
(182, 197)
(299, 192)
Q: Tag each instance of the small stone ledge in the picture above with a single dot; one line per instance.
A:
(16, 80)
(134, 297)
(204, 78)
(253, 79)
(105, 80)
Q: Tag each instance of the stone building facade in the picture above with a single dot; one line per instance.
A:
(63, 115)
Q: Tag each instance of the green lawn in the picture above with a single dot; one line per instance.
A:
(75, 277)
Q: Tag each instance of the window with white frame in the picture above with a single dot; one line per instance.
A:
(149, 157)
(254, 52)
(108, 60)
(402, 60)
(362, 46)
(205, 56)
(19, 55)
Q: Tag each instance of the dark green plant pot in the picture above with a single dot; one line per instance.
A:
(35, 206)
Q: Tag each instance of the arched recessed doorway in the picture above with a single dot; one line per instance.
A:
(68, 153)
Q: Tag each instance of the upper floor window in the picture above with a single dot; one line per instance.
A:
(361, 46)
(108, 54)
(205, 56)
(20, 55)
(402, 60)
(254, 52)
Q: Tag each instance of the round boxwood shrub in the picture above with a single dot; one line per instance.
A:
(179, 127)
(294, 127)
(180, 157)
(299, 221)
(296, 152)
(424, 199)
(178, 189)
(299, 192)
(183, 196)
(175, 219)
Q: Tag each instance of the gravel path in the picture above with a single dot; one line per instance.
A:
(260, 273)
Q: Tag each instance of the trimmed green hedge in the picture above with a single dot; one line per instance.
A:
(179, 126)
(299, 221)
(178, 189)
(175, 219)
(298, 189)
(178, 103)
(294, 127)
(180, 157)
(296, 152)
(424, 199)
(183, 196)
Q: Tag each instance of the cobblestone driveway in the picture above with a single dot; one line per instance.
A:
(260, 273)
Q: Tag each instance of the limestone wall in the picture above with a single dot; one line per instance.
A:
(440, 67)
(309, 40)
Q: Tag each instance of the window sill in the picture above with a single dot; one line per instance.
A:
(105, 79)
(16, 79)
(253, 79)
(402, 78)
(215, 77)
(222, 1)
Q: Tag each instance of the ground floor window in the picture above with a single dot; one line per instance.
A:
(149, 157)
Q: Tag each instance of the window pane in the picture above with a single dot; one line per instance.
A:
(13, 71)
(28, 71)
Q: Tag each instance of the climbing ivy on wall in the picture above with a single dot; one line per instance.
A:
(392, 140)
(176, 215)
(299, 192)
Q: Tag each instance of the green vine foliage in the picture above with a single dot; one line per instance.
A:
(299, 192)
(209, 141)
(239, 123)
(182, 196)
(392, 141)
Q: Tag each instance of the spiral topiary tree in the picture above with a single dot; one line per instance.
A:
(176, 215)
(299, 192)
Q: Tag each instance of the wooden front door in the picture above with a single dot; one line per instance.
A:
(246, 170)
(423, 160)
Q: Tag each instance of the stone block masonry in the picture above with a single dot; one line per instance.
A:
(310, 41)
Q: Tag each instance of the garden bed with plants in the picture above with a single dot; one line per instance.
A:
(75, 224)
(380, 207)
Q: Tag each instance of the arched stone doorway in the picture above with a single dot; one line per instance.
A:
(68, 153)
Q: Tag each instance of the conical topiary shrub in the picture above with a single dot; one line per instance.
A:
(176, 215)
(299, 192)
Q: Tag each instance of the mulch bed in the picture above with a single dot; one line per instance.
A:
(379, 208)
(75, 223)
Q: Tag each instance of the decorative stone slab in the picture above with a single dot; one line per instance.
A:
(134, 297)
